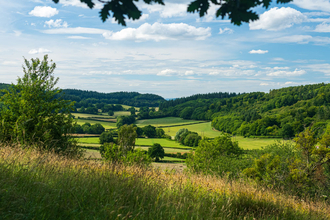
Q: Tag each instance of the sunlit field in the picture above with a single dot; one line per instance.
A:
(168, 121)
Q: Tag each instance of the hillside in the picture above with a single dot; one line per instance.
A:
(84, 97)
(281, 112)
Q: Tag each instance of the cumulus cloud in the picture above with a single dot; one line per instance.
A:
(189, 72)
(43, 11)
(283, 73)
(324, 27)
(264, 84)
(168, 11)
(159, 31)
(315, 5)
(258, 51)
(78, 3)
(277, 19)
(57, 23)
(226, 31)
(166, 72)
(77, 30)
(40, 50)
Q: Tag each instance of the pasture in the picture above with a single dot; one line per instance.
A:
(105, 124)
(203, 129)
(161, 141)
(255, 143)
(168, 121)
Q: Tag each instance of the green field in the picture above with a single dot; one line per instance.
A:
(168, 121)
(106, 125)
(254, 143)
(161, 141)
(91, 140)
(203, 129)
(84, 115)
(166, 149)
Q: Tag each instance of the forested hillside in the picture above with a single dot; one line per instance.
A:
(84, 98)
(281, 112)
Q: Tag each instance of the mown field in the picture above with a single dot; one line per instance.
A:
(168, 121)
(38, 185)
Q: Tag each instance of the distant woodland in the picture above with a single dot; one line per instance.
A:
(280, 113)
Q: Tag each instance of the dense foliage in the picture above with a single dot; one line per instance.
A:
(156, 151)
(280, 113)
(187, 138)
(33, 112)
(83, 98)
(87, 128)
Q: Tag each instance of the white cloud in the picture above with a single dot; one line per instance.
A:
(159, 31)
(57, 23)
(169, 10)
(78, 3)
(281, 68)
(167, 72)
(189, 72)
(302, 39)
(278, 59)
(296, 72)
(226, 31)
(77, 30)
(323, 68)
(315, 5)
(40, 50)
(289, 83)
(258, 51)
(17, 33)
(43, 11)
(324, 27)
(264, 84)
(277, 19)
(78, 37)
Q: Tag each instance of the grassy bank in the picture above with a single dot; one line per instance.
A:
(45, 186)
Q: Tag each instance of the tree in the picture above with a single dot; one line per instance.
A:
(106, 137)
(110, 113)
(149, 131)
(237, 11)
(126, 138)
(34, 112)
(156, 151)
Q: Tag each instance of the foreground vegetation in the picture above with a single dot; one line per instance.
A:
(51, 187)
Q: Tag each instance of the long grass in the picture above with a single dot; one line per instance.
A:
(45, 186)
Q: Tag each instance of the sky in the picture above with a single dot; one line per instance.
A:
(168, 51)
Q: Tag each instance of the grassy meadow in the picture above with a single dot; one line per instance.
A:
(161, 122)
(47, 186)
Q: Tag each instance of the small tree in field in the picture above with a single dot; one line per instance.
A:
(156, 151)
(34, 113)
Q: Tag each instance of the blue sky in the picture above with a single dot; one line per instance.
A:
(168, 52)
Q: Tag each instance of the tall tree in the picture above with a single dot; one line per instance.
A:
(33, 114)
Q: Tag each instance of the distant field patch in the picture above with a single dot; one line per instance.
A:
(166, 149)
(84, 115)
(119, 113)
(255, 143)
(203, 129)
(168, 121)
(92, 140)
(162, 142)
(105, 124)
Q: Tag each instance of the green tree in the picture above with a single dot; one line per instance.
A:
(126, 138)
(106, 137)
(110, 113)
(156, 151)
(149, 131)
(34, 112)
(237, 11)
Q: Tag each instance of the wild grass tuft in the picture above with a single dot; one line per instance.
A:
(36, 185)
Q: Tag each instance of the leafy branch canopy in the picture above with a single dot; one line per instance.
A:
(238, 11)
